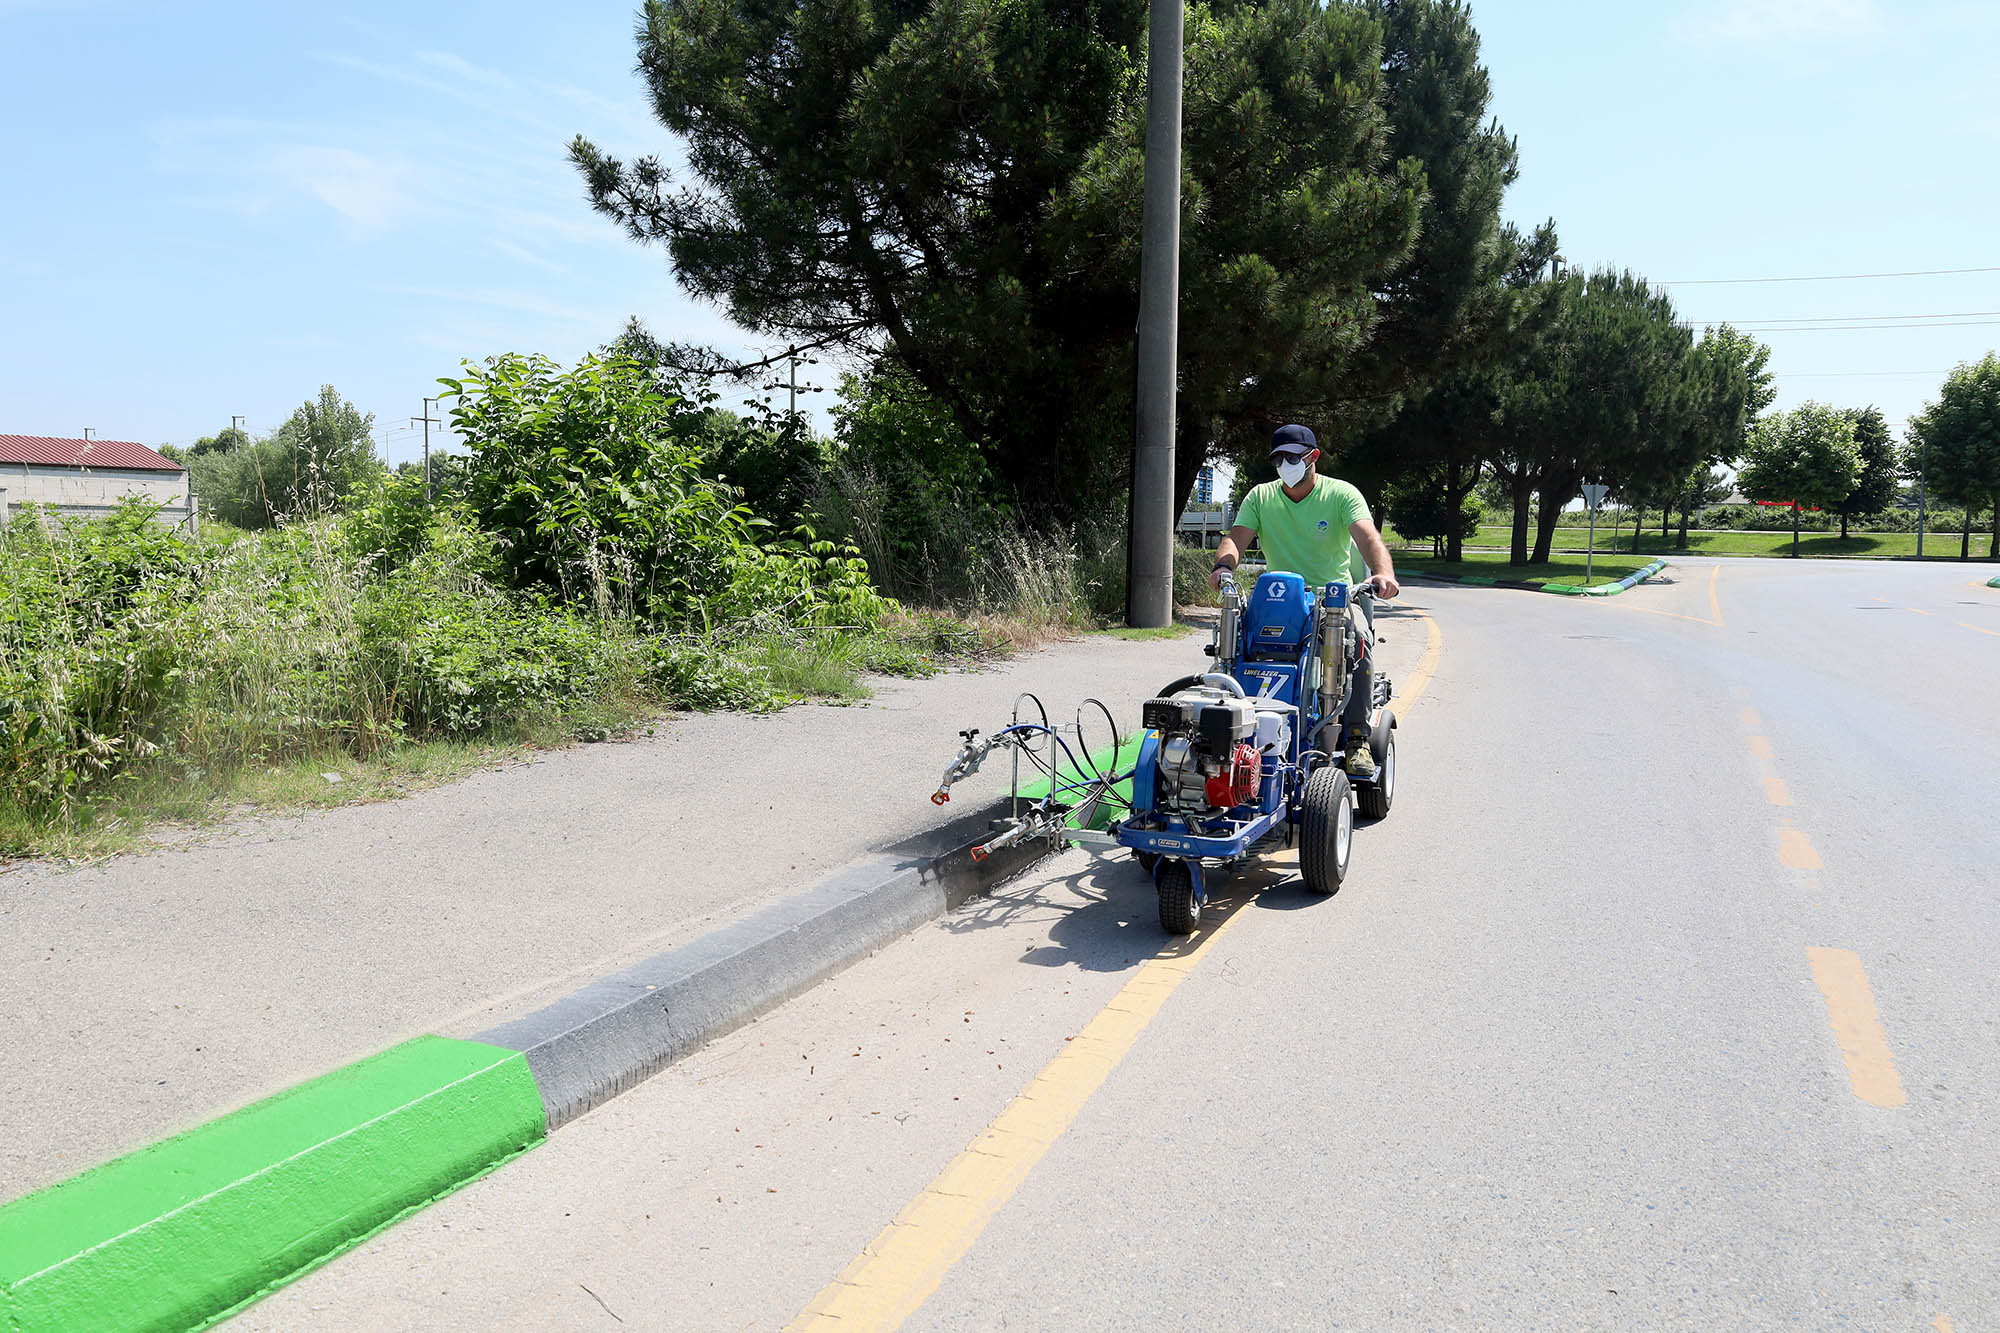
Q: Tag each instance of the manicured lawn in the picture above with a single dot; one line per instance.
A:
(1493, 565)
(1876, 545)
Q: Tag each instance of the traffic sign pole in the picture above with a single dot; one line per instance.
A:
(1593, 496)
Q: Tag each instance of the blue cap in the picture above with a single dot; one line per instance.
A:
(1297, 440)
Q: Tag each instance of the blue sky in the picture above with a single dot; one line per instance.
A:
(213, 209)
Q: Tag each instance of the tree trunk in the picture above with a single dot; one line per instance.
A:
(1191, 443)
(1666, 508)
(1457, 486)
(1795, 530)
(1545, 529)
(1965, 537)
(1843, 525)
(1687, 513)
(1517, 551)
(1993, 542)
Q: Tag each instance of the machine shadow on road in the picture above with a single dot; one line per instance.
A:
(1104, 916)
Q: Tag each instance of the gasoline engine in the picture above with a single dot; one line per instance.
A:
(1212, 745)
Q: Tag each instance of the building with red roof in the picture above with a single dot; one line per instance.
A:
(89, 476)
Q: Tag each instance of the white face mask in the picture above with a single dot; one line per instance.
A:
(1292, 473)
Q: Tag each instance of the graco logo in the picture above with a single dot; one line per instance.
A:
(1322, 525)
(1277, 593)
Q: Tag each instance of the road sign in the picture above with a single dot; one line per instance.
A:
(1593, 495)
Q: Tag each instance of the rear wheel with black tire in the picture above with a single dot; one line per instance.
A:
(1376, 796)
(1179, 912)
(1326, 831)
(1146, 860)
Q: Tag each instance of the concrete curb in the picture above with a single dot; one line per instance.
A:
(608, 1037)
(187, 1231)
(1561, 589)
(1993, 583)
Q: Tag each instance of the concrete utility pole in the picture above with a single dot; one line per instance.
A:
(428, 421)
(236, 424)
(1149, 589)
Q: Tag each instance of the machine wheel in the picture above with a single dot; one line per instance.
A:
(1179, 912)
(1326, 834)
(1146, 860)
(1376, 796)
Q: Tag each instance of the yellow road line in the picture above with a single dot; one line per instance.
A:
(1795, 850)
(1761, 748)
(1920, 611)
(1420, 675)
(900, 1269)
(1776, 792)
(1751, 720)
(1976, 629)
(1714, 606)
(1850, 1009)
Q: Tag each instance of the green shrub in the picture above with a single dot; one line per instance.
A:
(590, 490)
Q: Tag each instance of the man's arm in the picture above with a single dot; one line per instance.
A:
(1376, 552)
(1229, 553)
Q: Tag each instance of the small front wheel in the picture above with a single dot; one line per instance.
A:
(1146, 860)
(1180, 913)
(1326, 832)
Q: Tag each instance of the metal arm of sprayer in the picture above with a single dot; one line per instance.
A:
(970, 756)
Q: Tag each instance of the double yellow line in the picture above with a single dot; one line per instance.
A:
(900, 1269)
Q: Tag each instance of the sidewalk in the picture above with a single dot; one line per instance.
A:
(155, 991)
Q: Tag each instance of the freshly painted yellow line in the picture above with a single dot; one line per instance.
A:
(903, 1265)
(1776, 792)
(1420, 675)
(1795, 849)
(1714, 606)
(1761, 748)
(1942, 1323)
(1976, 629)
(1850, 1008)
(1750, 719)
(897, 1272)
(1920, 611)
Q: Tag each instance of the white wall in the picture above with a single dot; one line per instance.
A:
(32, 483)
(90, 491)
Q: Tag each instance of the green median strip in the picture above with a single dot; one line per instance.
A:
(188, 1231)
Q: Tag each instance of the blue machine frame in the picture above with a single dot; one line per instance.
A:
(1277, 654)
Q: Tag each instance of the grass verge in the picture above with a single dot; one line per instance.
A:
(1860, 546)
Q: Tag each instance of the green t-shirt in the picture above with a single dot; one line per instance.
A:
(1308, 536)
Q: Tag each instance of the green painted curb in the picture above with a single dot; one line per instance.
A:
(1993, 583)
(191, 1229)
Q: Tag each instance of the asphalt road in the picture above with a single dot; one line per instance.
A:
(1668, 996)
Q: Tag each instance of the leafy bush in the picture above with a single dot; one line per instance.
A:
(87, 659)
(908, 489)
(582, 477)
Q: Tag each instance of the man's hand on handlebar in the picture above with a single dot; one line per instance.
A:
(1382, 585)
(1219, 577)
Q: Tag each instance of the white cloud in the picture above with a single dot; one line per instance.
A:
(1766, 20)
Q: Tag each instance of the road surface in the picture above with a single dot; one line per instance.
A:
(1668, 996)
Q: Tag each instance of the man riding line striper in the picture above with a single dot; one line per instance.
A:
(1320, 528)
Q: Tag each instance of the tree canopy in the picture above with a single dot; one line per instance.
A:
(1955, 441)
(1806, 457)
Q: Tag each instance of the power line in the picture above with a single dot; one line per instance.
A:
(1849, 328)
(1855, 319)
(1826, 277)
(1850, 374)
